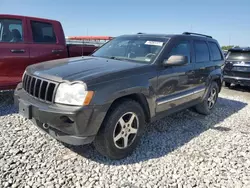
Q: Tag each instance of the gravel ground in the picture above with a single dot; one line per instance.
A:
(183, 150)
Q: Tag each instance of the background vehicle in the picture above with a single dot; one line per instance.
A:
(27, 40)
(106, 98)
(225, 52)
(237, 67)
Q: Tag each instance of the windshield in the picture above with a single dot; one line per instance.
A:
(243, 56)
(140, 49)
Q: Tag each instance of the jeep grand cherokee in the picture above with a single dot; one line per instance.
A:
(108, 98)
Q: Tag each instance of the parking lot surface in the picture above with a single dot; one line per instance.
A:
(182, 150)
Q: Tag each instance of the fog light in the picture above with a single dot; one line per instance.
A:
(45, 126)
(67, 119)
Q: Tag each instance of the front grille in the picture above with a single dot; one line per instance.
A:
(39, 88)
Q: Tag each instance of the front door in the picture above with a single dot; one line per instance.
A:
(174, 87)
(14, 51)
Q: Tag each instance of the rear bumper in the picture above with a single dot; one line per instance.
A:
(69, 124)
(237, 80)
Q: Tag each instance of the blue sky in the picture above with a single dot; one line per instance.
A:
(226, 20)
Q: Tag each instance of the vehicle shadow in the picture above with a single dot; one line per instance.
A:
(7, 103)
(170, 133)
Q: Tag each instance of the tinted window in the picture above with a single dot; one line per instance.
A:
(43, 32)
(183, 48)
(216, 54)
(241, 56)
(201, 51)
(11, 30)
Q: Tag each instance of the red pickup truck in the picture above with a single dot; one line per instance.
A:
(28, 40)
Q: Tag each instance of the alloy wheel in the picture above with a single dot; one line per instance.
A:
(212, 98)
(126, 130)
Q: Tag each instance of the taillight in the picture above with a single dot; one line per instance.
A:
(228, 65)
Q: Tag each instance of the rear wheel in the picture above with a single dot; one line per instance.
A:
(227, 84)
(121, 130)
(208, 104)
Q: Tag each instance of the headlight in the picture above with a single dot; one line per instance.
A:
(73, 94)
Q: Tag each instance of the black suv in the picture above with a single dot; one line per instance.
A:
(107, 98)
(237, 67)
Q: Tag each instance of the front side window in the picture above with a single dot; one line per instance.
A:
(201, 51)
(139, 49)
(215, 52)
(183, 48)
(43, 32)
(11, 30)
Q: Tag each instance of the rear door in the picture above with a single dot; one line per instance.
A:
(208, 57)
(203, 65)
(14, 51)
(45, 44)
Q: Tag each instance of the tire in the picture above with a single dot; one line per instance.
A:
(112, 130)
(205, 106)
(227, 84)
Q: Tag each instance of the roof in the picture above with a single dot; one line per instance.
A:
(21, 16)
(240, 49)
(150, 35)
(185, 34)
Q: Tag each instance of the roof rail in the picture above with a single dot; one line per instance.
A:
(198, 34)
(140, 33)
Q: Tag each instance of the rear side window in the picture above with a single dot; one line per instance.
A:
(11, 30)
(201, 51)
(43, 32)
(183, 48)
(215, 52)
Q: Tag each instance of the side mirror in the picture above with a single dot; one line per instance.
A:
(176, 60)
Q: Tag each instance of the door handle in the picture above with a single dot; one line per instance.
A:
(56, 51)
(17, 51)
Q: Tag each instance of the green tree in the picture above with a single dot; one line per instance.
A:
(227, 47)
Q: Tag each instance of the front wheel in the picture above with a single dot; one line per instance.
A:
(121, 130)
(208, 104)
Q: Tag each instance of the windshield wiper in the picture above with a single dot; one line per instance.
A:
(114, 57)
(122, 59)
(118, 58)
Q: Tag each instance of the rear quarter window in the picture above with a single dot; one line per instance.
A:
(201, 51)
(215, 51)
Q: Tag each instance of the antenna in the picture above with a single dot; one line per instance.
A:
(82, 47)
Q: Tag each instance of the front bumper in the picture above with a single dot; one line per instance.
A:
(237, 80)
(69, 124)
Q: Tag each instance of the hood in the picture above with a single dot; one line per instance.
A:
(80, 68)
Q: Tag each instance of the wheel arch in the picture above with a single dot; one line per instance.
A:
(216, 76)
(138, 97)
